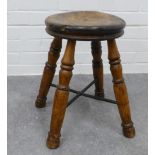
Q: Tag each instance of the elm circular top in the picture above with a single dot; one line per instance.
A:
(85, 25)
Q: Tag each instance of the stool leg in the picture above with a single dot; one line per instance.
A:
(97, 67)
(49, 72)
(61, 96)
(120, 89)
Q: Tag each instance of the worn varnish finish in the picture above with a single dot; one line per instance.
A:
(94, 27)
(85, 25)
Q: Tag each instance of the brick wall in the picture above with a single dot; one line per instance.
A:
(28, 42)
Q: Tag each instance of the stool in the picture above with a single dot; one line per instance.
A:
(86, 26)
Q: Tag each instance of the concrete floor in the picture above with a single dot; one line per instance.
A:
(90, 127)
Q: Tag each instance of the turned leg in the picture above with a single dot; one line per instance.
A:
(97, 67)
(49, 72)
(120, 89)
(61, 96)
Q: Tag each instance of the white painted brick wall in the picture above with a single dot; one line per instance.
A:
(28, 42)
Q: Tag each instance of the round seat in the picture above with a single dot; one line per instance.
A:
(85, 25)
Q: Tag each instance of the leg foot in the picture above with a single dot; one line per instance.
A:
(40, 102)
(52, 142)
(99, 94)
(128, 130)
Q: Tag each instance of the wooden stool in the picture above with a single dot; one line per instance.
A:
(87, 26)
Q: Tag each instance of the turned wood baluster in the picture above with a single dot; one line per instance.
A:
(120, 89)
(97, 67)
(48, 72)
(61, 96)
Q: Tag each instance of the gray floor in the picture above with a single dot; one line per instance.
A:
(90, 127)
